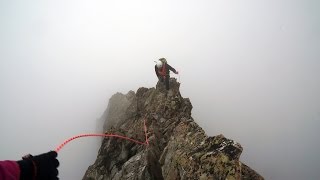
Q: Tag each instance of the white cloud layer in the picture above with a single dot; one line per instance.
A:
(251, 69)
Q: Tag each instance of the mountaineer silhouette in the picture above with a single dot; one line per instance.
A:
(162, 69)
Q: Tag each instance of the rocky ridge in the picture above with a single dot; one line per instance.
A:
(178, 147)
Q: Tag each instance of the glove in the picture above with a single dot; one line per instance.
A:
(41, 167)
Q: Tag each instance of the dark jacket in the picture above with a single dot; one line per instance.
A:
(167, 68)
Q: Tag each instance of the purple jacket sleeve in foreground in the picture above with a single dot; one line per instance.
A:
(9, 170)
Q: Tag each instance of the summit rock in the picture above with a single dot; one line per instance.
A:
(178, 147)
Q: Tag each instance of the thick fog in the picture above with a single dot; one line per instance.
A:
(251, 69)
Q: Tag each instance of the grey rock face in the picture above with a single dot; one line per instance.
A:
(178, 148)
(119, 109)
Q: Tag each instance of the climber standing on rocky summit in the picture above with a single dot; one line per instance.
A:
(163, 69)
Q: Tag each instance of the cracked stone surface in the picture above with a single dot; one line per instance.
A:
(178, 147)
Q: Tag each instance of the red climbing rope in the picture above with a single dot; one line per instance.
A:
(145, 131)
(106, 135)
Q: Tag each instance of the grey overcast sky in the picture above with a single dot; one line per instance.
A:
(250, 67)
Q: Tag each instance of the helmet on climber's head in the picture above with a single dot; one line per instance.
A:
(163, 60)
(159, 64)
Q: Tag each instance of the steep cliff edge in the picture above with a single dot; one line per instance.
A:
(178, 148)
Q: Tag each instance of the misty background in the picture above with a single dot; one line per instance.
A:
(251, 69)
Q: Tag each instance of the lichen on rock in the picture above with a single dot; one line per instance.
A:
(178, 147)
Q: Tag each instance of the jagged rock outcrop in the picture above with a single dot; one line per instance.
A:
(178, 148)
